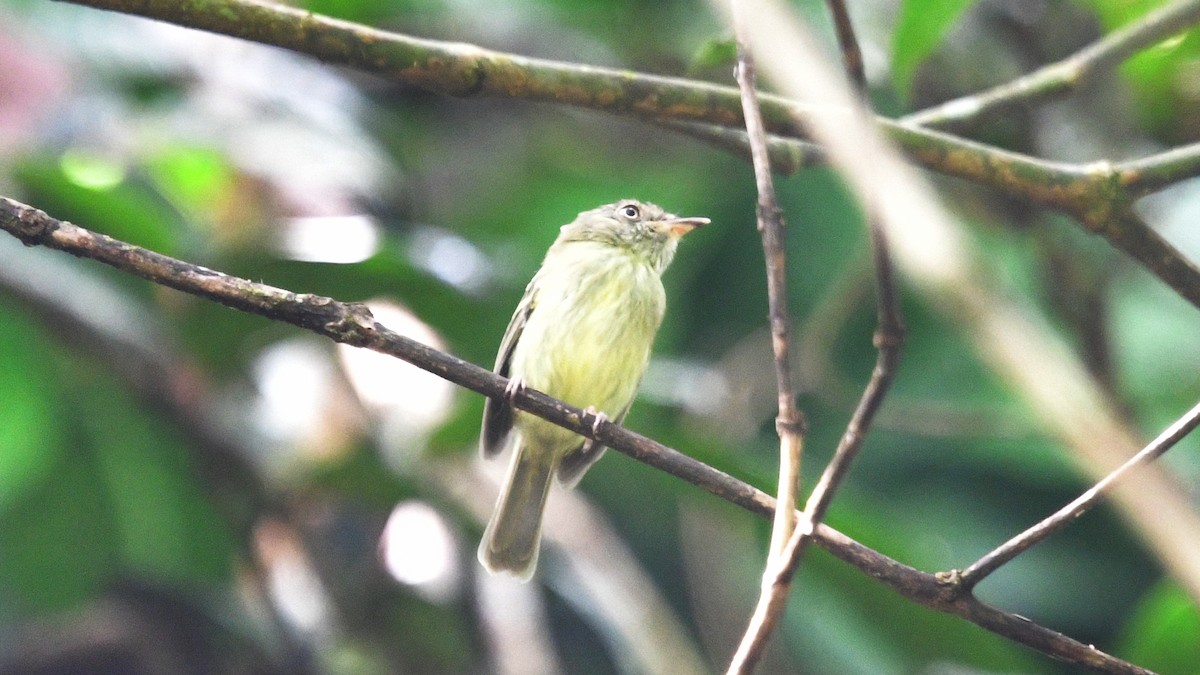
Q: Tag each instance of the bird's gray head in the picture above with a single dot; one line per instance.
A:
(640, 227)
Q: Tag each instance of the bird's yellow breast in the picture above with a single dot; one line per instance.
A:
(587, 340)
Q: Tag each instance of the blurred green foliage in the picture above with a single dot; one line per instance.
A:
(1155, 74)
(1157, 633)
(212, 150)
(920, 27)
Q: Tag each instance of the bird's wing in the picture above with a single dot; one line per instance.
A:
(575, 463)
(497, 413)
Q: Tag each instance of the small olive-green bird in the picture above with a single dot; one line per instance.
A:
(581, 333)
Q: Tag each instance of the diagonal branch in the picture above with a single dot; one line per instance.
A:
(1068, 514)
(352, 324)
(1070, 73)
(1150, 174)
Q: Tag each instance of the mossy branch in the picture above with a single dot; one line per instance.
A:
(1085, 191)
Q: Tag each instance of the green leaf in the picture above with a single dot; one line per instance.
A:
(166, 526)
(1161, 634)
(716, 53)
(123, 499)
(127, 209)
(56, 543)
(919, 29)
(195, 179)
(31, 435)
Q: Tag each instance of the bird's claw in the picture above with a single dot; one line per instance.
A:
(514, 387)
(598, 418)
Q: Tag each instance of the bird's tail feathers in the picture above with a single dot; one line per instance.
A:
(513, 535)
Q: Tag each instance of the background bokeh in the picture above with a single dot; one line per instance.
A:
(184, 488)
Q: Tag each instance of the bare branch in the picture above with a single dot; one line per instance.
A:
(940, 263)
(1080, 505)
(851, 53)
(1156, 172)
(772, 227)
(789, 424)
(1065, 75)
(889, 336)
(351, 324)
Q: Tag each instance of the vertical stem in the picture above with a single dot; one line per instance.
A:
(889, 333)
(889, 337)
(789, 423)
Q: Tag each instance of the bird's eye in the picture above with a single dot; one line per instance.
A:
(630, 211)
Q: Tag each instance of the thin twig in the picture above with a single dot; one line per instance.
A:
(351, 324)
(941, 264)
(889, 339)
(788, 155)
(789, 424)
(1149, 174)
(1068, 514)
(1065, 75)
(852, 59)
(889, 336)
(772, 227)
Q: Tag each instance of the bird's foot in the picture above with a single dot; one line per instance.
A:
(598, 418)
(514, 387)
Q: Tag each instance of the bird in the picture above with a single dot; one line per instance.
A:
(582, 333)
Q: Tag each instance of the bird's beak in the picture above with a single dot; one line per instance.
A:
(681, 226)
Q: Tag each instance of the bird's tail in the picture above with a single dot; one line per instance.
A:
(513, 536)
